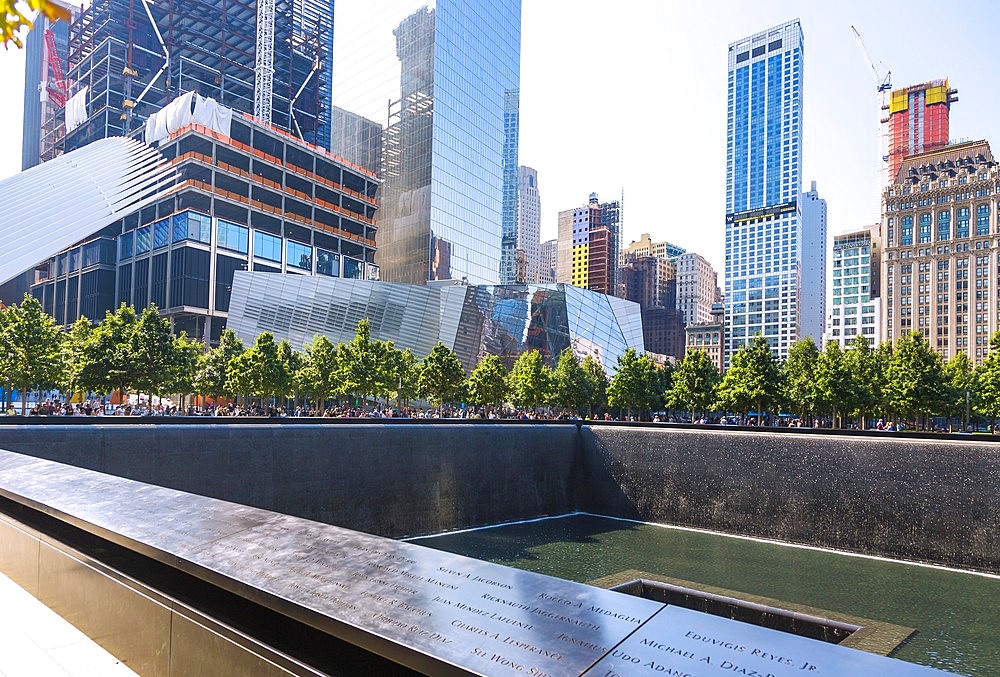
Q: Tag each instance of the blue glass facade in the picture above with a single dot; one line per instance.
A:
(447, 71)
(509, 241)
(775, 237)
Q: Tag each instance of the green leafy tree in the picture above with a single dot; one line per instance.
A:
(183, 366)
(528, 380)
(571, 386)
(112, 364)
(32, 342)
(487, 384)
(833, 381)
(319, 376)
(362, 364)
(291, 362)
(915, 377)
(407, 374)
(441, 376)
(634, 385)
(75, 353)
(881, 357)
(959, 388)
(598, 384)
(861, 366)
(988, 383)
(694, 383)
(258, 371)
(152, 348)
(798, 373)
(213, 366)
(752, 378)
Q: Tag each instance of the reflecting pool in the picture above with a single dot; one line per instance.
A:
(957, 614)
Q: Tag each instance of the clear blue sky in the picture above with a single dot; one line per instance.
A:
(631, 95)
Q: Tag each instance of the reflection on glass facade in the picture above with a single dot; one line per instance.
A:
(474, 320)
(436, 78)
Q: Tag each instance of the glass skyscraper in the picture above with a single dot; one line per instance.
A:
(775, 237)
(440, 80)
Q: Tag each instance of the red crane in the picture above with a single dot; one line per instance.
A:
(56, 87)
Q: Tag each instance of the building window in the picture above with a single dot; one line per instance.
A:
(143, 239)
(983, 220)
(190, 225)
(161, 233)
(925, 228)
(266, 246)
(125, 245)
(233, 236)
(962, 222)
(906, 225)
(299, 255)
(944, 225)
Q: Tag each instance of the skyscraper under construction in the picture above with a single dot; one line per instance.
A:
(129, 58)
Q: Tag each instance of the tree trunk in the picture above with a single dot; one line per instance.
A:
(24, 398)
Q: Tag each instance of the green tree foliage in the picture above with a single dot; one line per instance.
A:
(752, 378)
(529, 381)
(487, 384)
(833, 381)
(183, 366)
(915, 377)
(362, 364)
(988, 382)
(407, 377)
(112, 363)
(318, 377)
(572, 388)
(798, 378)
(598, 386)
(634, 385)
(75, 354)
(213, 366)
(959, 387)
(694, 383)
(153, 355)
(258, 371)
(881, 357)
(441, 375)
(32, 344)
(861, 366)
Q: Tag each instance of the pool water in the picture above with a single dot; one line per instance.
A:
(956, 614)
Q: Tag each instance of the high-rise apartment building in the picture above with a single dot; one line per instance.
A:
(697, 287)
(509, 240)
(708, 335)
(918, 120)
(127, 60)
(588, 245)
(529, 222)
(45, 86)
(548, 257)
(940, 262)
(645, 246)
(855, 293)
(440, 79)
(775, 237)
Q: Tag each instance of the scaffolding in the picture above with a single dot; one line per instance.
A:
(136, 56)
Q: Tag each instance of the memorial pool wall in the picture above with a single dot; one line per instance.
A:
(934, 499)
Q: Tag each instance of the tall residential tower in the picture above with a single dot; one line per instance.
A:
(775, 237)
(918, 121)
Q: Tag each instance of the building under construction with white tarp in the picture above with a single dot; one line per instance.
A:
(128, 59)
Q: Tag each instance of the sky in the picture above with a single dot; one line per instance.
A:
(629, 98)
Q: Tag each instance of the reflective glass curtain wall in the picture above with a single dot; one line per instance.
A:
(437, 77)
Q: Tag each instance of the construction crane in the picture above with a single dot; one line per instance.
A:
(56, 88)
(264, 65)
(883, 89)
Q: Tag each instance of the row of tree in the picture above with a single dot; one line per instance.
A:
(907, 380)
(137, 353)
